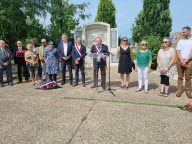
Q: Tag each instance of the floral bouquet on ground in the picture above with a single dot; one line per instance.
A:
(47, 85)
(188, 107)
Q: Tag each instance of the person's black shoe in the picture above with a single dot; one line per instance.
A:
(19, 82)
(62, 83)
(11, 84)
(104, 88)
(93, 86)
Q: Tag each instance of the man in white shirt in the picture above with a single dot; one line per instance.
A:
(65, 51)
(184, 63)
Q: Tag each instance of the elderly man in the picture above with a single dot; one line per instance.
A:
(65, 51)
(5, 64)
(35, 46)
(100, 62)
(42, 49)
(184, 63)
(20, 61)
(78, 54)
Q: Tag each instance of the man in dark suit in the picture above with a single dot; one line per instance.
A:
(20, 61)
(78, 54)
(99, 62)
(5, 64)
(65, 51)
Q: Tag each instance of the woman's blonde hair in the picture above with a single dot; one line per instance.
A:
(124, 38)
(143, 41)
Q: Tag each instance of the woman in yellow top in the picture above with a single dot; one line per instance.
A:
(31, 59)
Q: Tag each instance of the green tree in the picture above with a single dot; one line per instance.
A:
(153, 20)
(106, 13)
(65, 17)
(13, 15)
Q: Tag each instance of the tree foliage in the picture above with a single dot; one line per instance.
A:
(13, 15)
(65, 17)
(106, 13)
(154, 20)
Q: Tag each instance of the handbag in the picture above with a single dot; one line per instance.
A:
(132, 64)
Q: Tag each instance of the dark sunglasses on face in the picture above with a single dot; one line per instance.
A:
(18, 43)
(143, 44)
(124, 40)
(42, 42)
(50, 44)
(164, 41)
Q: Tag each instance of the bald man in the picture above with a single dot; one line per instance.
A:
(20, 62)
(99, 63)
(5, 64)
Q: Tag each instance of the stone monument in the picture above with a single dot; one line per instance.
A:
(90, 31)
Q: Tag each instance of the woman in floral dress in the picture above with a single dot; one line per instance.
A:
(51, 58)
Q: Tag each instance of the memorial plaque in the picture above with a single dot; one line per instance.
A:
(114, 39)
(90, 31)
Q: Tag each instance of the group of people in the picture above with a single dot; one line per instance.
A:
(49, 58)
(28, 59)
(166, 59)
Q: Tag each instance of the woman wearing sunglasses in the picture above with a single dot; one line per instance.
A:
(124, 55)
(143, 65)
(165, 60)
(51, 59)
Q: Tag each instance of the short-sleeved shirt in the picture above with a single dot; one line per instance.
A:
(185, 47)
(143, 58)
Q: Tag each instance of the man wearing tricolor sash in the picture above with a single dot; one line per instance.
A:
(78, 54)
(99, 62)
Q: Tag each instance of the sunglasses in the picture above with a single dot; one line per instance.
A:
(143, 44)
(124, 40)
(18, 43)
(42, 42)
(51, 44)
(164, 41)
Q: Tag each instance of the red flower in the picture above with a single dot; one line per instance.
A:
(188, 105)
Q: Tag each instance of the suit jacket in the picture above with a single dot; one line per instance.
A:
(41, 52)
(76, 55)
(18, 60)
(104, 49)
(5, 57)
(69, 50)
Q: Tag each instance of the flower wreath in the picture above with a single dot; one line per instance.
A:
(49, 85)
(188, 107)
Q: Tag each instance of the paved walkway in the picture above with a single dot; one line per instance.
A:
(83, 116)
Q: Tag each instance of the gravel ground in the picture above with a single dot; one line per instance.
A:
(87, 116)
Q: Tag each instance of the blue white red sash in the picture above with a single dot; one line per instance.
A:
(78, 50)
(97, 49)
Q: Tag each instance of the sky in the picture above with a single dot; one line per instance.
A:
(127, 11)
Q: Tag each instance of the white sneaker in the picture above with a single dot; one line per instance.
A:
(146, 91)
(139, 89)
